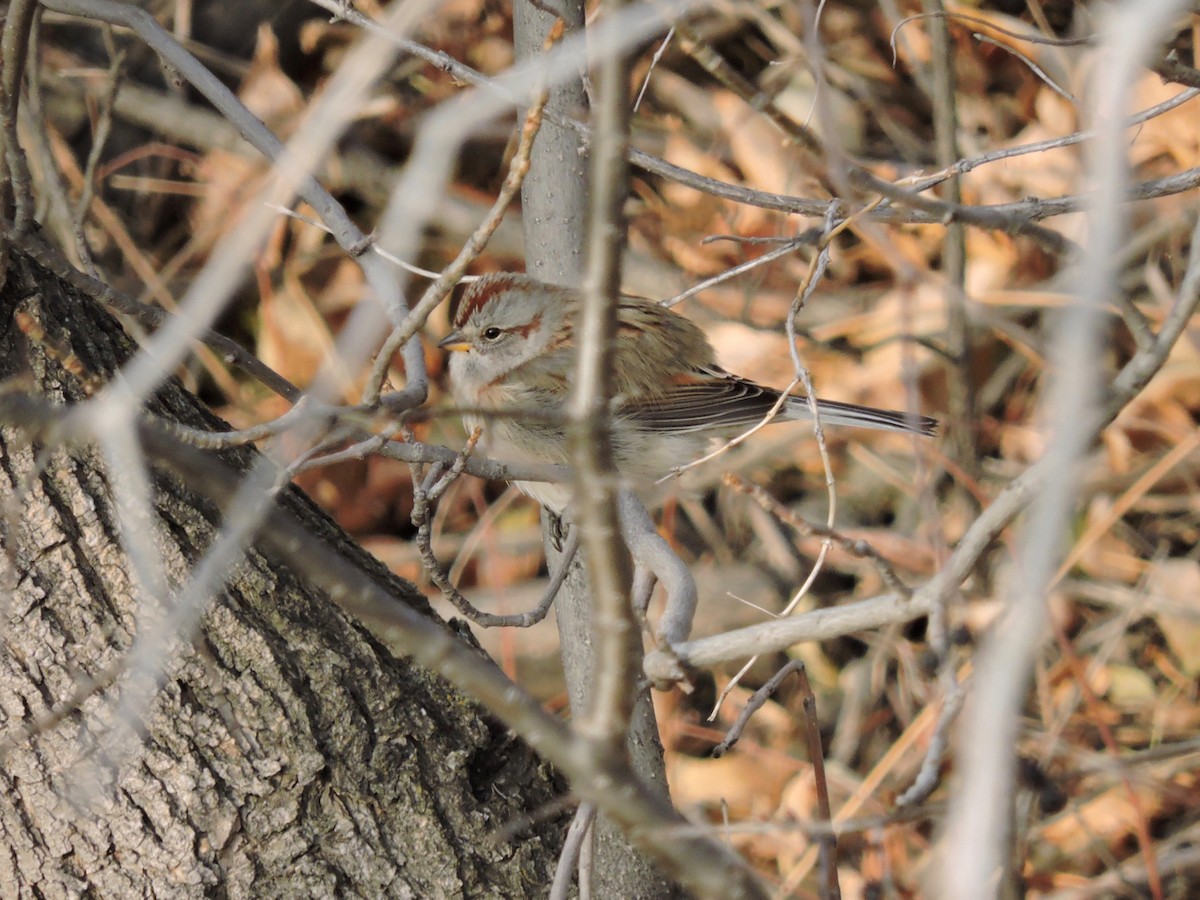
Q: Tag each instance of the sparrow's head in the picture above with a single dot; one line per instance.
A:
(504, 321)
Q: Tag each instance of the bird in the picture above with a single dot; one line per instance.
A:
(512, 349)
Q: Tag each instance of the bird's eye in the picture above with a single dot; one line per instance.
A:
(490, 334)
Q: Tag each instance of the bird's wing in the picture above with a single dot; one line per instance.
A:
(654, 347)
(667, 381)
(700, 401)
(711, 398)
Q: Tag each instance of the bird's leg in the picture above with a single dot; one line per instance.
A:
(556, 528)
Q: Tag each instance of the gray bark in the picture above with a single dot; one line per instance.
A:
(554, 215)
(554, 193)
(286, 753)
(620, 870)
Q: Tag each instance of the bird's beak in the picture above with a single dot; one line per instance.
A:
(455, 343)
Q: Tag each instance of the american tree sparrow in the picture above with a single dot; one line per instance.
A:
(513, 344)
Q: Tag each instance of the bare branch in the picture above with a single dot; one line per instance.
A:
(589, 429)
(15, 184)
(580, 831)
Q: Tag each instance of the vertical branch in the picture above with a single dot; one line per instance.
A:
(554, 208)
(554, 198)
(590, 431)
(16, 197)
(942, 88)
(960, 390)
(830, 889)
(977, 824)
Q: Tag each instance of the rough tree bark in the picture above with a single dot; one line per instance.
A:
(286, 753)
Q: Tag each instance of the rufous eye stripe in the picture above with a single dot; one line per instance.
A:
(529, 327)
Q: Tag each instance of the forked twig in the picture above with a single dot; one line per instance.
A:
(825, 837)
(579, 831)
(753, 705)
(428, 486)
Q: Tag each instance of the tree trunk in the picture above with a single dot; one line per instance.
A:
(554, 216)
(286, 751)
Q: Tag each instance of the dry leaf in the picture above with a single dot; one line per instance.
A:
(1130, 687)
(1177, 581)
(741, 780)
(1110, 817)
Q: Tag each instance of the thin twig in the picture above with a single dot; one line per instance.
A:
(811, 828)
(428, 486)
(54, 207)
(475, 244)
(977, 20)
(790, 246)
(100, 135)
(753, 705)
(928, 775)
(375, 248)
(1031, 65)
(579, 831)
(963, 166)
(827, 843)
(654, 60)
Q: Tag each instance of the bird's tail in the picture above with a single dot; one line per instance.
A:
(834, 413)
